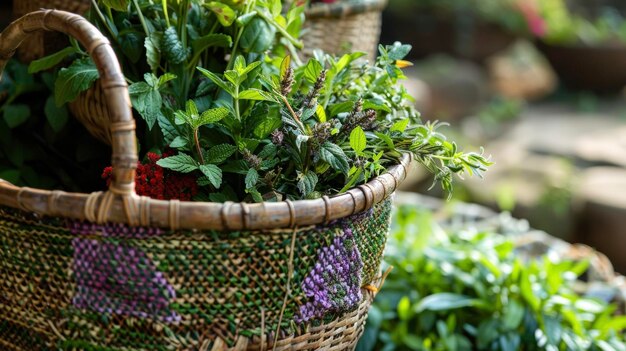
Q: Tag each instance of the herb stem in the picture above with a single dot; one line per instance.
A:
(141, 18)
(297, 43)
(198, 148)
(167, 17)
(293, 113)
(105, 23)
(236, 102)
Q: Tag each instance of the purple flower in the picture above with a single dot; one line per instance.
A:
(117, 278)
(334, 283)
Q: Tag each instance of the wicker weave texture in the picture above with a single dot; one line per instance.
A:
(343, 27)
(67, 285)
(358, 32)
(45, 43)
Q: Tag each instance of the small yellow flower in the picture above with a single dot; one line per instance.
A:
(403, 64)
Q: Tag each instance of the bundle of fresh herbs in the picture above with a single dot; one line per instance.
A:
(469, 290)
(224, 98)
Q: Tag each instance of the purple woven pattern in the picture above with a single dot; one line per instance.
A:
(334, 283)
(118, 279)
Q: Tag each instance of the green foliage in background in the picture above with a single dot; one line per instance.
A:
(469, 290)
(564, 26)
(40, 145)
(499, 12)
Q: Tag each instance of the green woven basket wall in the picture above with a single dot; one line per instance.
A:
(68, 285)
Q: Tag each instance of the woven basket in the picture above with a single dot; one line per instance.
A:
(116, 271)
(45, 43)
(342, 27)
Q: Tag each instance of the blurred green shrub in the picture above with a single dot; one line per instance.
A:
(468, 290)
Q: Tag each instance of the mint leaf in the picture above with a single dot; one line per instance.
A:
(180, 163)
(213, 173)
(313, 70)
(212, 115)
(178, 142)
(266, 127)
(50, 61)
(307, 183)
(400, 126)
(73, 80)
(256, 94)
(147, 101)
(220, 153)
(358, 140)
(207, 41)
(228, 87)
(165, 78)
(252, 177)
(335, 157)
(153, 50)
(15, 115)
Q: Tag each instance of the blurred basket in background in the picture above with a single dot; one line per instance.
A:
(343, 27)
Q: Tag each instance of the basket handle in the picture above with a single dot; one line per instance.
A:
(122, 124)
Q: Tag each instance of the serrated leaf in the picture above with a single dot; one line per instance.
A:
(153, 50)
(14, 115)
(213, 173)
(252, 177)
(148, 104)
(307, 183)
(269, 151)
(117, 5)
(399, 51)
(180, 163)
(228, 87)
(212, 116)
(358, 141)
(211, 40)
(256, 94)
(335, 157)
(73, 80)
(57, 116)
(173, 47)
(167, 128)
(312, 70)
(178, 142)
(50, 61)
(400, 126)
(256, 195)
(267, 126)
(165, 78)
(220, 153)
(191, 109)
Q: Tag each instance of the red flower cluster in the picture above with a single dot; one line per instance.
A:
(156, 182)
